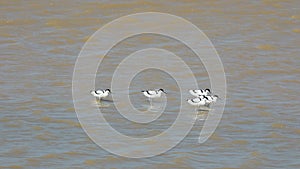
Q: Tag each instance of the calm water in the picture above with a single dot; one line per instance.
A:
(258, 43)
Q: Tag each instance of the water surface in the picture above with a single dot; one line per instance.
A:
(258, 42)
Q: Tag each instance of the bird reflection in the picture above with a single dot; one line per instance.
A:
(103, 103)
(156, 106)
(201, 115)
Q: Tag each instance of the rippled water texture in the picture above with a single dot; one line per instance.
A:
(258, 42)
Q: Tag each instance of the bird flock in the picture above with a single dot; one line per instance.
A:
(202, 97)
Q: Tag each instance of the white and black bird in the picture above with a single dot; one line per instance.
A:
(197, 101)
(212, 98)
(99, 94)
(151, 94)
(200, 92)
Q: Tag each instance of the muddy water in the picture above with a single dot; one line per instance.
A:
(258, 43)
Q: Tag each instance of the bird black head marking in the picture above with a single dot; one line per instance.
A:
(207, 90)
(162, 90)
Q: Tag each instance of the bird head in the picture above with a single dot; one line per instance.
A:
(162, 90)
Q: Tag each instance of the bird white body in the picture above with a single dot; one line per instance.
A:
(197, 101)
(153, 93)
(211, 99)
(199, 92)
(99, 94)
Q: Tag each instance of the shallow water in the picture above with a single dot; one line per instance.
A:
(258, 43)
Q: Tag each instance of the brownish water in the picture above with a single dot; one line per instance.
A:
(258, 42)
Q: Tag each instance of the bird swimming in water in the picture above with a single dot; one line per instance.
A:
(197, 101)
(199, 92)
(99, 94)
(152, 94)
(212, 98)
